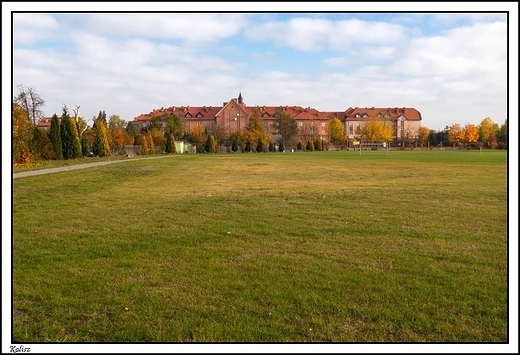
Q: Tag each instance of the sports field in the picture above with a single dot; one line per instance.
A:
(265, 247)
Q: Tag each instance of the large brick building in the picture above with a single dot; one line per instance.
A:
(234, 115)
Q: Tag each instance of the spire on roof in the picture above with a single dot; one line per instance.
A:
(240, 99)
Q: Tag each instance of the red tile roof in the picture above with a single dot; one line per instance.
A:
(393, 113)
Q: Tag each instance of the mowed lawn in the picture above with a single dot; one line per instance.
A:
(269, 247)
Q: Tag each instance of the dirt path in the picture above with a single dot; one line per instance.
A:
(79, 166)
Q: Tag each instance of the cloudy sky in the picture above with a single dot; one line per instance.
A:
(452, 67)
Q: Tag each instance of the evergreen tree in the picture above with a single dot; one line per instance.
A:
(100, 146)
(69, 136)
(55, 136)
(299, 146)
(310, 146)
(259, 146)
(85, 150)
(168, 148)
(234, 145)
(271, 146)
(248, 146)
(211, 144)
(317, 144)
(281, 147)
(151, 145)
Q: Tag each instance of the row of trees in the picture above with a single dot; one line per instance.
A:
(71, 137)
(487, 134)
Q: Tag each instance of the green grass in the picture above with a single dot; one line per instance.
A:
(303, 247)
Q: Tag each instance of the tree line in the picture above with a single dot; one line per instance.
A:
(71, 137)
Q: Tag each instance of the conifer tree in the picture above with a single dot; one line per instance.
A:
(248, 146)
(168, 148)
(55, 136)
(234, 145)
(271, 146)
(69, 136)
(299, 146)
(211, 144)
(259, 146)
(281, 147)
(151, 146)
(85, 150)
(100, 147)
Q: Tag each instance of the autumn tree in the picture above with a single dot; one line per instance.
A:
(30, 101)
(198, 135)
(285, 126)
(255, 128)
(423, 136)
(100, 145)
(487, 128)
(502, 135)
(174, 125)
(336, 131)
(21, 135)
(470, 134)
(377, 130)
(455, 134)
(41, 146)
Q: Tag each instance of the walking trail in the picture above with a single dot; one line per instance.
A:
(79, 166)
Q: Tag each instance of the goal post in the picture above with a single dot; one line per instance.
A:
(373, 146)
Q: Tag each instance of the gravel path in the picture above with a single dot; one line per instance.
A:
(79, 166)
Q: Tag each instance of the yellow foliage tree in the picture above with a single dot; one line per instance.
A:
(377, 130)
(336, 132)
(455, 134)
(423, 136)
(255, 128)
(21, 135)
(470, 134)
(198, 135)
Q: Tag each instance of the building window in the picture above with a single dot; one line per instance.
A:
(312, 123)
(198, 123)
(300, 123)
(323, 124)
(322, 131)
(145, 124)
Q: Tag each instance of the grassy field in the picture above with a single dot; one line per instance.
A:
(271, 247)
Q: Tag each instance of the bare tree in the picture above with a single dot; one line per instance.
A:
(30, 101)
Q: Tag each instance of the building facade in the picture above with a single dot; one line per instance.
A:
(234, 115)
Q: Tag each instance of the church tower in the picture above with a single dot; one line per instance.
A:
(240, 99)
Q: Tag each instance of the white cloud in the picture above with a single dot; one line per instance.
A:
(314, 34)
(30, 28)
(189, 26)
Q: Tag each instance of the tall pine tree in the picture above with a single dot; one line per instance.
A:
(55, 136)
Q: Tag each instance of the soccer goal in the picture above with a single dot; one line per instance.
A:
(369, 146)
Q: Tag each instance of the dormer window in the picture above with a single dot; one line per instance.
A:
(199, 115)
(357, 115)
